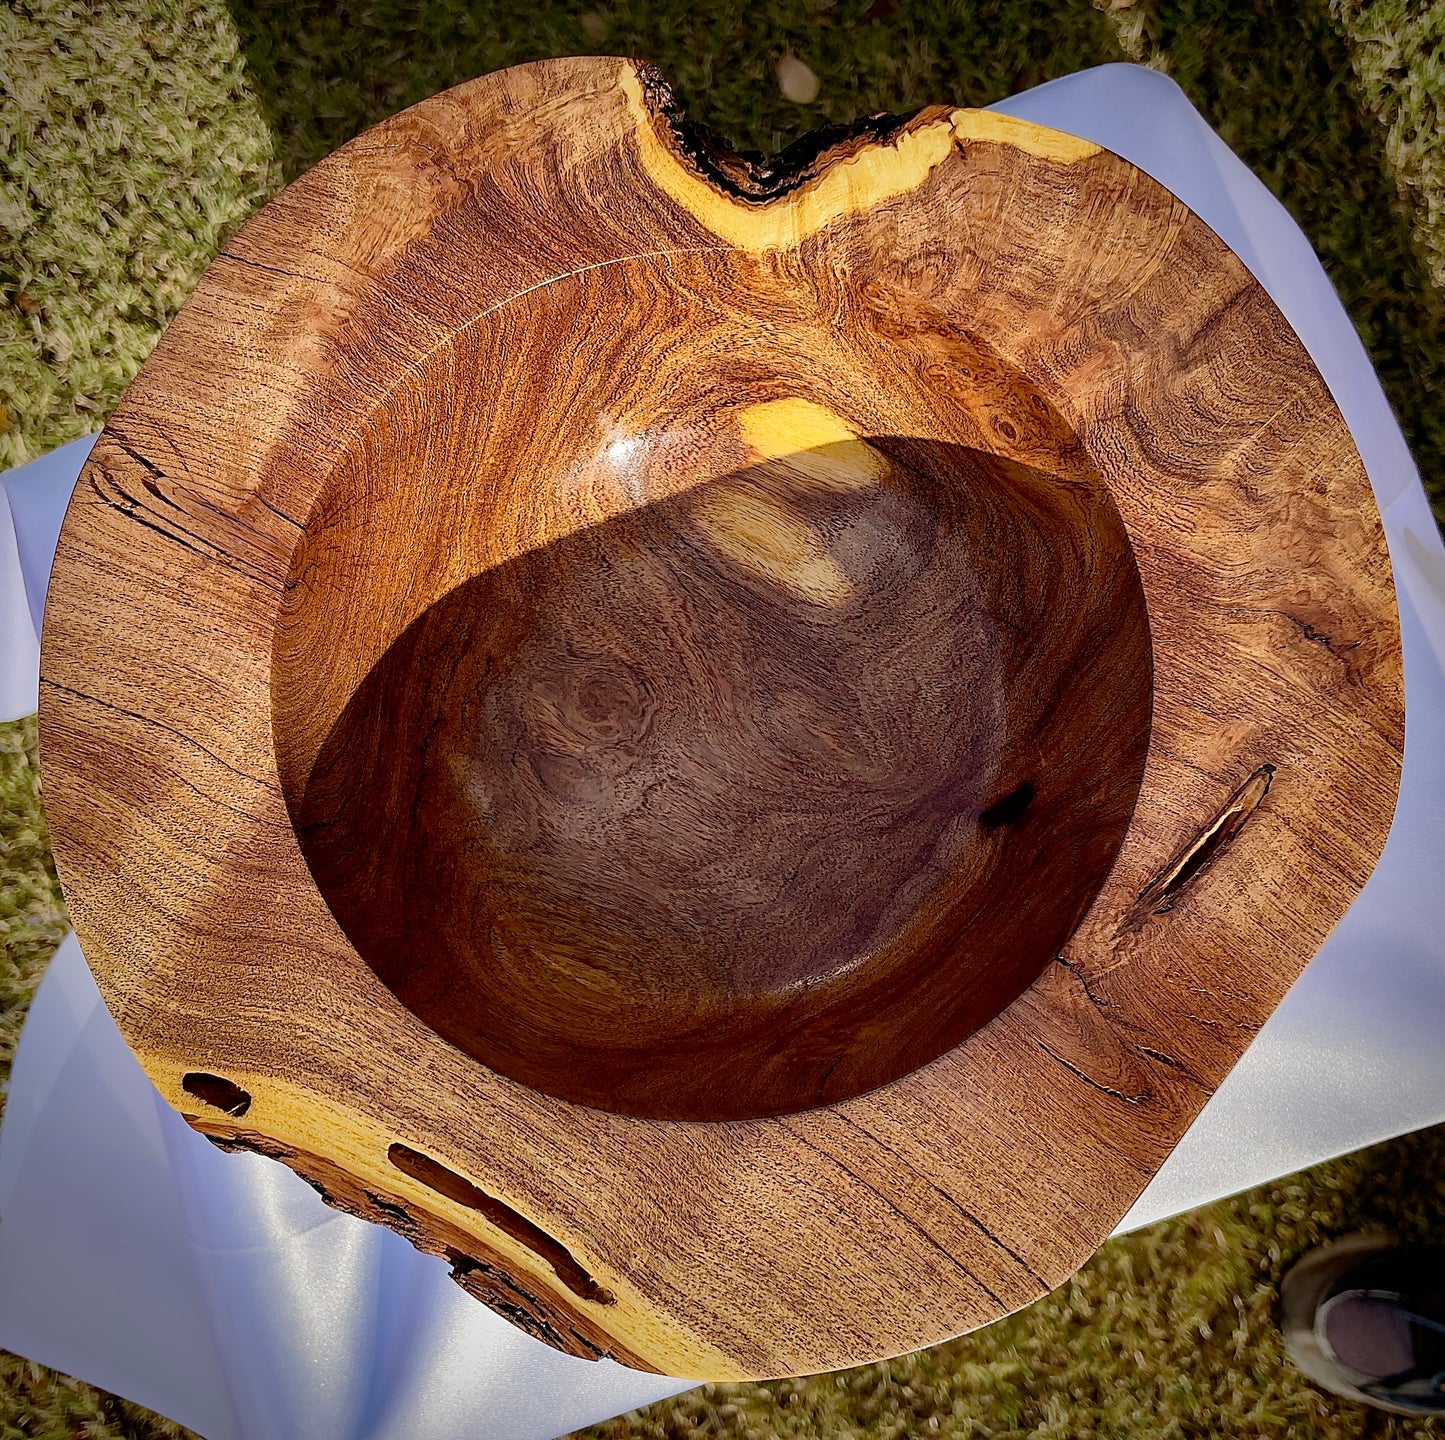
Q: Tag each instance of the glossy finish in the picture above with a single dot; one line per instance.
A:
(751, 798)
(488, 350)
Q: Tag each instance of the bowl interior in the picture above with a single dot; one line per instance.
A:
(754, 791)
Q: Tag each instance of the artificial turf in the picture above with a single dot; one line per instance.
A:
(135, 135)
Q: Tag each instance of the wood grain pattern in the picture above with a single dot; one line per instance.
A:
(747, 800)
(930, 564)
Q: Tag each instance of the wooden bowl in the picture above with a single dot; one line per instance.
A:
(734, 749)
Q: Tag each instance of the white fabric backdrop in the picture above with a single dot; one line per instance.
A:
(219, 1290)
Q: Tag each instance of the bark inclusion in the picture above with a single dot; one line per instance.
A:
(756, 178)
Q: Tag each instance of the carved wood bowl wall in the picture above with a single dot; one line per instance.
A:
(762, 791)
(734, 749)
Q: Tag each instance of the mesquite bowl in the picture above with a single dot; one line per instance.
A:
(734, 748)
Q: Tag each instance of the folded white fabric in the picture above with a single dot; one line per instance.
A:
(219, 1289)
(19, 648)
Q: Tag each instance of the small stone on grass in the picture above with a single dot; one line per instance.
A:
(797, 81)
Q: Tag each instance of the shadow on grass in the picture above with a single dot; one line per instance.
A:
(324, 71)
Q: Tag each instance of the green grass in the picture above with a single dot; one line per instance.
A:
(1398, 52)
(719, 56)
(1303, 93)
(130, 147)
(136, 134)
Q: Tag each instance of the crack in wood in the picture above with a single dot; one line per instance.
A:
(1312, 633)
(279, 514)
(1150, 1053)
(151, 482)
(1088, 1079)
(159, 725)
(1077, 971)
(134, 509)
(135, 455)
(237, 259)
(153, 487)
(828, 1075)
(963, 1210)
(1318, 637)
(903, 1215)
(1163, 893)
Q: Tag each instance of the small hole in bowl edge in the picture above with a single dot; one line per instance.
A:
(216, 1090)
(436, 1176)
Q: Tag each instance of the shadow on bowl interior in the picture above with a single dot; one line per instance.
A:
(753, 798)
